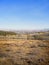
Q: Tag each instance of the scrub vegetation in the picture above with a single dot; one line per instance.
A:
(24, 48)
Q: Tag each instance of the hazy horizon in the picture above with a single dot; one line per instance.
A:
(24, 14)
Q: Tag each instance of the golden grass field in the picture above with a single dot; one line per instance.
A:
(24, 52)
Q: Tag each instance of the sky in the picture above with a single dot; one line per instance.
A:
(24, 14)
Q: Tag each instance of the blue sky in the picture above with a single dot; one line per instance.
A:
(24, 14)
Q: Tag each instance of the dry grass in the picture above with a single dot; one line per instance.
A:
(25, 52)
